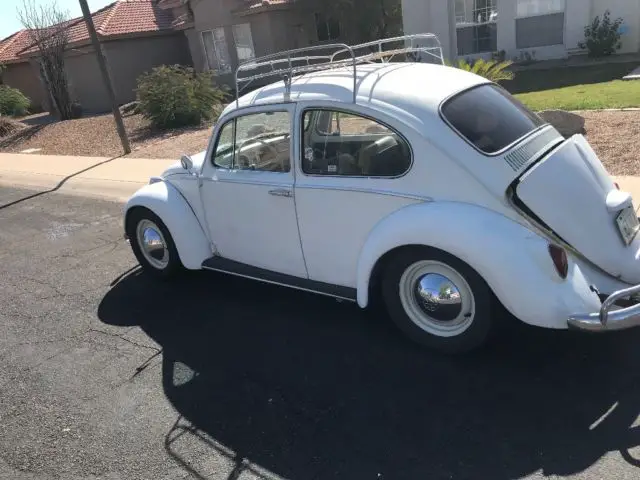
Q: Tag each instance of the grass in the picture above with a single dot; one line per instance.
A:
(577, 88)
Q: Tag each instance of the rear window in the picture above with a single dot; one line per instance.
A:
(489, 117)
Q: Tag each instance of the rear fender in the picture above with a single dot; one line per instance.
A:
(165, 200)
(513, 260)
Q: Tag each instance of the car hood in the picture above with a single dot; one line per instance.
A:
(176, 168)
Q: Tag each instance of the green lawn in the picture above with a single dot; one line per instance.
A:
(577, 88)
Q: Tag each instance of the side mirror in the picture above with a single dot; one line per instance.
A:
(186, 162)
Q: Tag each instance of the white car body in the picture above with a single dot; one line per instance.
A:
(330, 231)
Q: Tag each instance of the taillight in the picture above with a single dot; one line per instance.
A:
(560, 261)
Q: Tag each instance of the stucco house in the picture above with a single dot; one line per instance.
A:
(221, 33)
(136, 36)
(545, 29)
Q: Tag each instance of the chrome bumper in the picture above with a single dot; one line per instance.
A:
(610, 316)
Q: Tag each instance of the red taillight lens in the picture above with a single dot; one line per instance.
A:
(560, 261)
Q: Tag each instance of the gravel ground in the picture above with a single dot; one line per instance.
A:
(611, 134)
(96, 136)
(614, 136)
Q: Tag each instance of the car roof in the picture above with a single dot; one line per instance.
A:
(395, 88)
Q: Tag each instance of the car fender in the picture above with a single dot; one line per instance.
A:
(511, 258)
(167, 202)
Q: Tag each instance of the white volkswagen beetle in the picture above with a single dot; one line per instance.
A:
(430, 187)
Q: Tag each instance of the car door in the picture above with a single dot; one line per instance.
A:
(350, 177)
(247, 191)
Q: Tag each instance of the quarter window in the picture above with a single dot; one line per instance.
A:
(490, 118)
(346, 144)
(260, 142)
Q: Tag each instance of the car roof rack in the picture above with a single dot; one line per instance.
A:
(315, 58)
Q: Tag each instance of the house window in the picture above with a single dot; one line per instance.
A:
(244, 42)
(530, 8)
(216, 50)
(327, 28)
(476, 26)
(539, 23)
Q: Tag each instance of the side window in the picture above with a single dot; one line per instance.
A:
(260, 141)
(223, 157)
(263, 142)
(346, 144)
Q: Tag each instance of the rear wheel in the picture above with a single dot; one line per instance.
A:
(437, 300)
(152, 244)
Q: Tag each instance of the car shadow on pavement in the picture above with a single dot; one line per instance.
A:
(307, 387)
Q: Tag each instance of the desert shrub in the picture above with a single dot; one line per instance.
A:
(175, 96)
(13, 101)
(493, 70)
(602, 37)
(8, 126)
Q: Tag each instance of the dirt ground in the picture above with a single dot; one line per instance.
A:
(613, 135)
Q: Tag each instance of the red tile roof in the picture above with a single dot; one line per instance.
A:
(10, 46)
(124, 17)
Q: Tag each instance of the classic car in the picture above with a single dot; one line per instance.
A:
(373, 172)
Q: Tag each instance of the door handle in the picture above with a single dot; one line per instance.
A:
(281, 192)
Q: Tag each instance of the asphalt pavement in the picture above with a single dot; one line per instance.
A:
(106, 374)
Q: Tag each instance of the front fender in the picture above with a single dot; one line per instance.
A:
(513, 260)
(167, 202)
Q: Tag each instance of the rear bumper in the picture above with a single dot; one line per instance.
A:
(611, 316)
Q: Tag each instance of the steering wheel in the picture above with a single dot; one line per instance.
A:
(271, 149)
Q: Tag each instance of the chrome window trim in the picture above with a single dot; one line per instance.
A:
(357, 114)
(373, 191)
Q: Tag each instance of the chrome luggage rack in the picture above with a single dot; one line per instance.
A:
(290, 63)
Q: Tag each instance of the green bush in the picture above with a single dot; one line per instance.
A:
(13, 102)
(602, 37)
(492, 70)
(175, 96)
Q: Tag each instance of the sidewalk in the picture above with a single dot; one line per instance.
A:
(109, 178)
(118, 178)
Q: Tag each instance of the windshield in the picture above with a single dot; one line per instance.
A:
(489, 117)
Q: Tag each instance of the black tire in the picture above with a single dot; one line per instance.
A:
(174, 265)
(475, 335)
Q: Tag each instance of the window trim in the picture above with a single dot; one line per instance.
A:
(469, 142)
(357, 114)
(204, 50)
(234, 119)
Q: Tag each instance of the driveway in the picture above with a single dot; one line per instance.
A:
(109, 375)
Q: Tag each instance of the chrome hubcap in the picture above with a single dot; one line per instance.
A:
(437, 298)
(152, 244)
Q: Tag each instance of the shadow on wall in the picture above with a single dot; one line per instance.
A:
(306, 387)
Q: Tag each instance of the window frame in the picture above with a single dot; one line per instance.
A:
(469, 142)
(554, 12)
(235, 40)
(204, 50)
(347, 111)
(234, 120)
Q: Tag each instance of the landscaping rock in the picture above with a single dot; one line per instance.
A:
(567, 123)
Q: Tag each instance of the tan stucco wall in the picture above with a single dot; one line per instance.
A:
(24, 77)
(85, 82)
(128, 59)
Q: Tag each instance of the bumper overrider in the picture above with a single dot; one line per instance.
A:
(611, 316)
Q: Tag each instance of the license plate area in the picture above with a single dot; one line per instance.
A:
(628, 224)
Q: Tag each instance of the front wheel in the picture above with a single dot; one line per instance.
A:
(437, 300)
(152, 244)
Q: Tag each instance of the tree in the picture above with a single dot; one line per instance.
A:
(48, 31)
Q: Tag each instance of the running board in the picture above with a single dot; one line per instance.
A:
(220, 264)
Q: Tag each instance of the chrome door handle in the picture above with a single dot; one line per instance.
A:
(281, 192)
